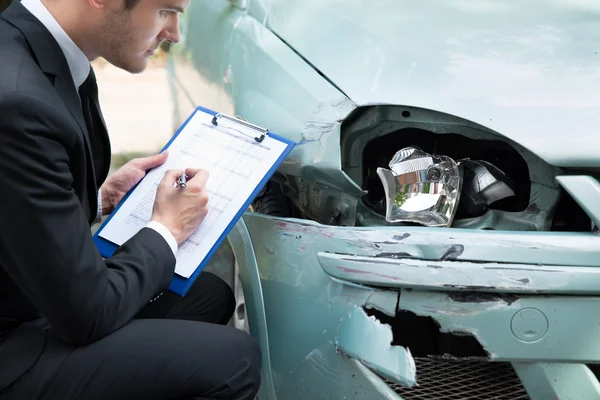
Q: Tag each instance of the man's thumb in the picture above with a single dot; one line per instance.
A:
(152, 161)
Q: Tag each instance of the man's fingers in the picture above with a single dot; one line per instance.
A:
(150, 162)
(198, 176)
(191, 172)
(172, 175)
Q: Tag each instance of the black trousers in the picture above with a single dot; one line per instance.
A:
(176, 348)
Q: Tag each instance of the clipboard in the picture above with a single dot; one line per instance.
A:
(179, 284)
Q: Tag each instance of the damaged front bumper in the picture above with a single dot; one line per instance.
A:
(381, 312)
(364, 338)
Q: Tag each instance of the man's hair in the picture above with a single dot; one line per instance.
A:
(130, 4)
(5, 3)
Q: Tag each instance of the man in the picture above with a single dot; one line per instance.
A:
(73, 325)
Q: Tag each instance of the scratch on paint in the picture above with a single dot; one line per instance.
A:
(303, 142)
(453, 253)
(270, 250)
(358, 271)
(401, 237)
(522, 269)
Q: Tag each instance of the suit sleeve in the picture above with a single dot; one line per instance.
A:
(46, 244)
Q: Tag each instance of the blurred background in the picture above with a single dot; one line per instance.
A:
(137, 108)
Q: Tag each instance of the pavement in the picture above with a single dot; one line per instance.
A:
(137, 107)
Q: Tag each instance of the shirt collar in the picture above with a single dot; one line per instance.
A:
(79, 64)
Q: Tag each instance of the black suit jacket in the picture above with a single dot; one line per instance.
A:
(50, 170)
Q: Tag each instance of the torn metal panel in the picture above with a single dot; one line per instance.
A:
(384, 301)
(516, 330)
(461, 275)
(369, 341)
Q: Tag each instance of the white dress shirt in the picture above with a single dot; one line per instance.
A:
(79, 66)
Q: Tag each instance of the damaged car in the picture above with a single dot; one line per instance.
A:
(433, 234)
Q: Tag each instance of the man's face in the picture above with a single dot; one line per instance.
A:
(129, 37)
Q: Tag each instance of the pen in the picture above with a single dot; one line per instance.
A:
(182, 179)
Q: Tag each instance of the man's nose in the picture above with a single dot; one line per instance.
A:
(171, 32)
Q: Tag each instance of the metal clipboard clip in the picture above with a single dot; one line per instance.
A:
(234, 120)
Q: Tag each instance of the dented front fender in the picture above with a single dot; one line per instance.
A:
(353, 334)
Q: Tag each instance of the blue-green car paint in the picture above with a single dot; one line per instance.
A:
(334, 75)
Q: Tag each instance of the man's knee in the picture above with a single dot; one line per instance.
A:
(227, 300)
(224, 297)
(210, 299)
(255, 362)
(248, 372)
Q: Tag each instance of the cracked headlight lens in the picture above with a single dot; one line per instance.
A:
(421, 188)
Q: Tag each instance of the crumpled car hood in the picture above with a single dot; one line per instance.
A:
(528, 70)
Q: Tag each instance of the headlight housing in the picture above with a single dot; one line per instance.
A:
(421, 188)
(426, 189)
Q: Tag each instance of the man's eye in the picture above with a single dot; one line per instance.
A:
(166, 13)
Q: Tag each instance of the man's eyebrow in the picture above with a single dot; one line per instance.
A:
(175, 8)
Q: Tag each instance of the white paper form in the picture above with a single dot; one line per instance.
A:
(236, 164)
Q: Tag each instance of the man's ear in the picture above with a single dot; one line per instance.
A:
(96, 4)
(109, 4)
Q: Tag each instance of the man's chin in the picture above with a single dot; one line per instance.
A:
(133, 67)
(137, 67)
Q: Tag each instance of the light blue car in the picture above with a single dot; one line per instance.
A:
(433, 235)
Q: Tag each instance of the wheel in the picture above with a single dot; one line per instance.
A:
(273, 202)
(240, 316)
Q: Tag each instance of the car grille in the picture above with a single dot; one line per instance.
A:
(455, 379)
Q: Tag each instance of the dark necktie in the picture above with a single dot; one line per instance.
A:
(88, 93)
(86, 90)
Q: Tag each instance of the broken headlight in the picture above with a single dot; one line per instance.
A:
(420, 188)
(426, 189)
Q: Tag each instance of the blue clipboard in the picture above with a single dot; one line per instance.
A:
(180, 285)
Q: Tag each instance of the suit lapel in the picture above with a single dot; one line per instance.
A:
(53, 63)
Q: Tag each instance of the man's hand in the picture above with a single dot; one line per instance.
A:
(181, 210)
(121, 181)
